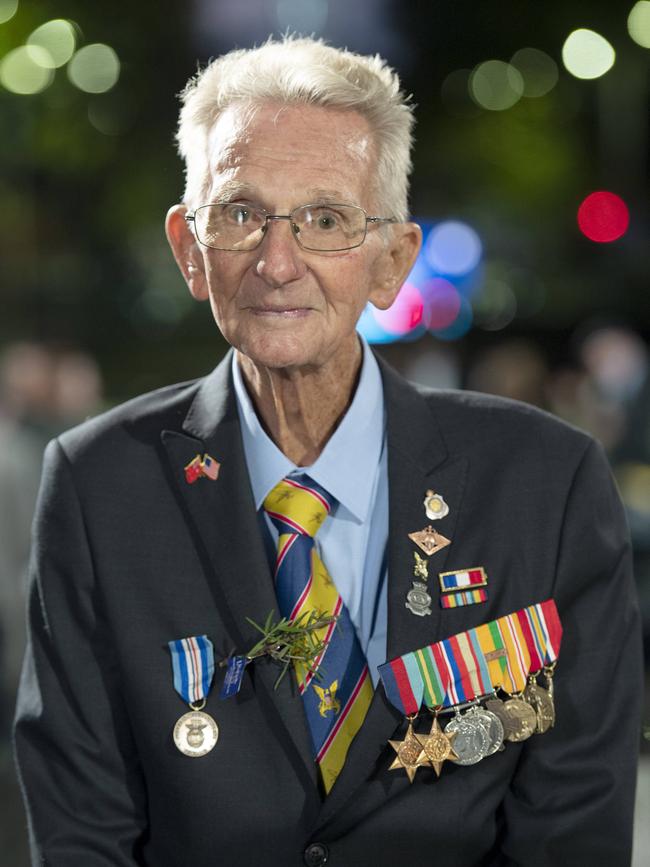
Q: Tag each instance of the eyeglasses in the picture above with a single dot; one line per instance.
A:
(321, 228)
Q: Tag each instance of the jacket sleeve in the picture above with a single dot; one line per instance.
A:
(76, 759)
(572, 799)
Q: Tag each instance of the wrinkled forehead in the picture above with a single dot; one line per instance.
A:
(326, 147)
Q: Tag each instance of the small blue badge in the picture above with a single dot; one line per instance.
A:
(234, 676)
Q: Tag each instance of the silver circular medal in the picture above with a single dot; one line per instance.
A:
(471, 741)
(493, 727)
(196, 733)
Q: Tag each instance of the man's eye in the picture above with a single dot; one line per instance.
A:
(238, 214)
(327, 221)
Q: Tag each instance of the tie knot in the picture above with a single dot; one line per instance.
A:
(298, 505)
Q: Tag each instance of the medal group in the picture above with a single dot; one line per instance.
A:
(487, 677)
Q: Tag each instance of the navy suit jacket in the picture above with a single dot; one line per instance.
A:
(128, 556)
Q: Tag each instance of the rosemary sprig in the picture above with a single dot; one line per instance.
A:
(292, 641)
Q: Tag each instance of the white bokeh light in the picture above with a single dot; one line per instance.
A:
(94, 68)
(587, 55)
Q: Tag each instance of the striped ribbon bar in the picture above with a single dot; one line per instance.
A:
(192, 666)
(463, 597)
(498, 654)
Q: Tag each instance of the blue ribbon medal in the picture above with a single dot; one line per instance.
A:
(195, 733)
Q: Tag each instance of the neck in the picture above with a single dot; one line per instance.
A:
(301, 408)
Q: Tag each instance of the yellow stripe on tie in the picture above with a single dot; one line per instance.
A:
(333, 758)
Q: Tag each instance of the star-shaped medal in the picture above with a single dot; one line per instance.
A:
(409, 752)
(437, 747)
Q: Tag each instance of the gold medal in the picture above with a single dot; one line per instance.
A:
(196, 733)
(542, 703)
(429, 540)
(522, 719)
(438, 747)
(409, 752)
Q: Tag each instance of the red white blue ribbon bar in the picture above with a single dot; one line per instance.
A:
(460, 665)
(192, 666)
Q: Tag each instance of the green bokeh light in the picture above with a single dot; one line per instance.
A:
(8, 9)
(57, 37)
(538, 70)
(496, 85)
(94, 68)
(27, 70)
(586, 54)
(638, 23)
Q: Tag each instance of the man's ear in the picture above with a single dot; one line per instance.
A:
(186, 251)
(394, 263)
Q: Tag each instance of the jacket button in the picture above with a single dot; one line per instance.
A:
(316, 854)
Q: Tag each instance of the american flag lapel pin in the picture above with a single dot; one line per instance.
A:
(210, 467)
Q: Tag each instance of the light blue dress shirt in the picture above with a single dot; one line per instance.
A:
(353, 468)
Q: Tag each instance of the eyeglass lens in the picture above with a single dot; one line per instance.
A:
(237, 226)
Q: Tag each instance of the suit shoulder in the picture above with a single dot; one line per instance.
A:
(141, 418)
(470, 415)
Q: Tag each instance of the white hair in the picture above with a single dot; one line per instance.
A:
(301, 70)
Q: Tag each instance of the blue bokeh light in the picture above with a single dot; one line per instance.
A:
(436, 295)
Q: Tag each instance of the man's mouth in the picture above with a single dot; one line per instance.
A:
(281, 312)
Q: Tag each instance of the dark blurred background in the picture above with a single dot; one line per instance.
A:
(531, 182)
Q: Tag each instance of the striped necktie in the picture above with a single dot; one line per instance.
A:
(337, 698)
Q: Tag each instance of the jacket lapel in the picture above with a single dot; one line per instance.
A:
(224, 524)
(417, 461)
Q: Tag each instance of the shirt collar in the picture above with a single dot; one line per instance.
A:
(348, 463)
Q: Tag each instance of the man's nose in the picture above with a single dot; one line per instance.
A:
(280, 258)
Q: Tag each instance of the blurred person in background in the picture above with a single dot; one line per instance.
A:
(43, 390)
(515, 369)
(171, 525)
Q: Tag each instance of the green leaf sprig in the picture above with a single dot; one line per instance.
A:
(292, 641)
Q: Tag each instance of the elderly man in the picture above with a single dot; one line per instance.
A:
(178, 574)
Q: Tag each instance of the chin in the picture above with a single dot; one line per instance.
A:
(277, 353)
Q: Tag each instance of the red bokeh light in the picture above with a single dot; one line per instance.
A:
(404, 315)
(442, 303)
(603, 217)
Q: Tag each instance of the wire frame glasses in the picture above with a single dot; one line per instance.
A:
(320, 228)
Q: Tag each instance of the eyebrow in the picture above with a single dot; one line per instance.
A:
(235, 190)
(331, 196)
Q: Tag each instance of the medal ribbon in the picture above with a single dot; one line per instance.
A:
(498, 654)
(517, 654)
(192, 666)
(545, 616)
